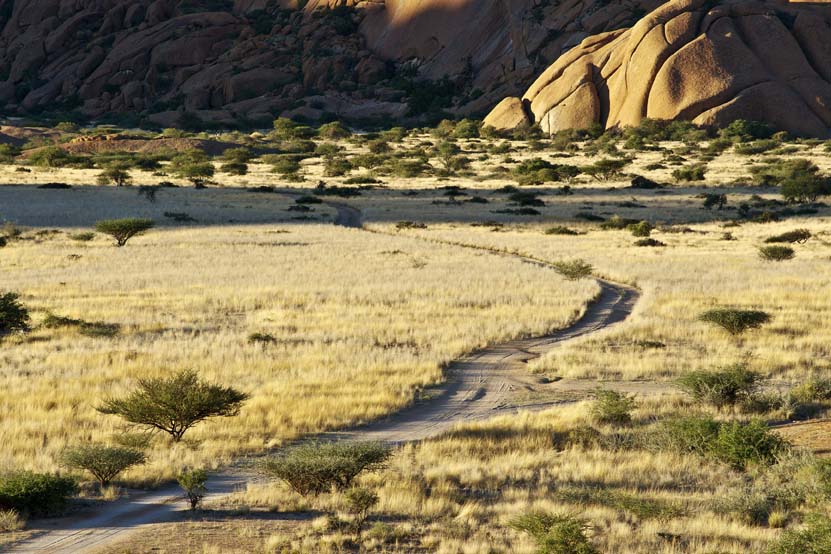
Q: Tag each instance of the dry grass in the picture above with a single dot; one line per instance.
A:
(347, 310)
(697, 270)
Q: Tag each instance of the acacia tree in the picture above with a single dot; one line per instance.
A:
(104, 462)
(176, 403)
(115, 174)
(193, 483)
(735, 321)
(123, 230)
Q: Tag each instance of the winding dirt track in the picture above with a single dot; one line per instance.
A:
(488, 382)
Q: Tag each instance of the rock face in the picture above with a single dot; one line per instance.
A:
(255, 59)
(741, 59)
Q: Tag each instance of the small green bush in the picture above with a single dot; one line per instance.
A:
(642, 229)
(612, 407)
(740, 444)
(105, 463)
(649, 243)
(14, 316)
(555, 533)
(799, 236)
(193, 483)
(574, 270)
(605, 170)
(84, 236)
(690, 173)
(777, 253)
(723, 387)
(359, 502)
(122, 230)
(116, 174)
(35, 494)
(234, 168)
(315, 468)
(812, 538)
(735, 321)
(561, 230)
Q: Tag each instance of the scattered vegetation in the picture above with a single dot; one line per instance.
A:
(122, 230)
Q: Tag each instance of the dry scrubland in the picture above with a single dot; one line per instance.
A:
(360, 323)
(350, 310)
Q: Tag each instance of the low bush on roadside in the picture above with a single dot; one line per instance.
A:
(315, 468)
(574, 270)
(35, 494)
(104, 462)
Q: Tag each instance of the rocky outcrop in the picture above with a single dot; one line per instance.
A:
(256, 59)
(693, 60)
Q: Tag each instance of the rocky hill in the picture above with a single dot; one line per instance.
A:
(190, 61)
(693, 60)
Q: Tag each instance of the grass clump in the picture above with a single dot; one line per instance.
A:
(315, 468)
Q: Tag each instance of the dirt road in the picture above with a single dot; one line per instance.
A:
(486, 383)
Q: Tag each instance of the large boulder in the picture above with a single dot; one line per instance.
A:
(741, 59)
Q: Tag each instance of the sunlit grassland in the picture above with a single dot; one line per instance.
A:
(358, 323)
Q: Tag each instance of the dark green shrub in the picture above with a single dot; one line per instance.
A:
(740, 444)
(123, 230)
(735, 321)
(756, 147)
(193, 483)
(690, 173)
(616, 223)
(239, 155)
(642, 229)
(116, 174)
(714, 200)
(286, 129)
(573, 270)
(14, 316)
(103, 462)
(467, 129)
(799, 179)
(742, 130)
(175, 404)
(727, 386)
(649, 243)
(35, 494)
(315, 468)
(612, 407)
(555, 533)
(561, 230)
(283, 165)
(799, 236)
(359, 502)
(687, 435)
(333, 131)
(605, 170)
(524, 198)
(234, 168)
(812, 538)
(336, 167)
(776, 253)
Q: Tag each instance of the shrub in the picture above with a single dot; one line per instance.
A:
(740, 444)
(237, 155)
(688, 435)
(776, 253)
(690, 173)
(286, 129)
(799, 236)
(612, 407)
(735, 321)
(234, 168)
(467, 129)
(35, 494)
(175, 404)
(103, 462)
(714, 200)
(561, 230)
(311, 469)
(11, 520)
(642, 229)
(605, 170)
(83, 236)
(649, 243)
(193, 166)
(555, 533)
(813, 538)
(14, 316)
(123, 230)
(359, 502)
(722, 387)
(336, 167)
(616, 223)
(756, 147)
(116, 174)
(743, 130)
(799, 180)
(524, 198)
(283, 165)
(333, 131)
(193, 483)
(573, 270)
